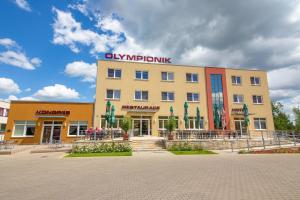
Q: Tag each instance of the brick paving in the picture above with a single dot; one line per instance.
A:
(148, 175)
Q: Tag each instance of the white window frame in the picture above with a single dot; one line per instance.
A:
(193, 119)
(256, 102)
(193, 97)
(118, 122)
(168, 76)
(255, 78)
(115, 69)
(260, 119)
(113, 98)
(78, 124)
(168, 96)
(234, 80)
(238, 98)
(164, 120)
(142, 77)
(141, 99)
(192, 78)
(25, 124)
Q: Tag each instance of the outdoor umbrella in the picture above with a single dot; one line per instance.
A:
(112, 119)
(198, 118)
(186, 116)
(107, 113)
(246, 115)
(171, 111)
(223, 118)
(216, 116)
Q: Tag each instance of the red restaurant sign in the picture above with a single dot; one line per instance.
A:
(52, 112)
(114, 56)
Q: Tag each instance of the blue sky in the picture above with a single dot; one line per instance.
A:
(48, 49)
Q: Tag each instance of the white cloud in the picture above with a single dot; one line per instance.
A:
(13, 55)
(23, 4)
(284, 78)
(67, 31)
(8, 86)
(13, 97)
(81, 69)
(27, 90)
(56, 91)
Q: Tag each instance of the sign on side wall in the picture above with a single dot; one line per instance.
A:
(52, 112)
(114, 56)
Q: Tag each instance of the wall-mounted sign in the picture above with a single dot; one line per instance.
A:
(114, 56)
(237, 111)
(52, 112)
(132, 108)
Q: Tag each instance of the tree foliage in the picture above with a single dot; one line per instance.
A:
(281, 119)
(171, 125)
(296, 112)
(126, 124)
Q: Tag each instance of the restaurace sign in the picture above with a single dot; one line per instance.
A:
(52, 112)
(114, 56)
(140, 108)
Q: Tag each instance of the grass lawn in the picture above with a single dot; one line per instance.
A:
(99, 154)
(198, 152)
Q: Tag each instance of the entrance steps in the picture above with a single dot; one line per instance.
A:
(147, 145)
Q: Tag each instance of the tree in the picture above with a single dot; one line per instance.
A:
(171, 125)
(126, 124)
(281, 119)
(296, 112)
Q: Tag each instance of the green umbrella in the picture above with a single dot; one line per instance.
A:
(107, 113)
(246, 115)
(112, 115)
(171, 111)
(198, 118)
(186, 116)
(216, 116)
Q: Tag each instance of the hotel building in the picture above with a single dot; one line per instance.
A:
(4, 108)
(146, 91)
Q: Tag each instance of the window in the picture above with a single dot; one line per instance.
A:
(77, 128)
(260, 123)
(163, 120)
(193, 123)
(167, 96)
(141, 75)
(141, 95)
(257, 99)
(113, 94)
(236, 80)
(192, 97)
(2, 127)
(192, 77)
(24, 128)
(116, 125)
(238, 98)
(114, 73)
(167, 76)
(255, 80)
(1, 111)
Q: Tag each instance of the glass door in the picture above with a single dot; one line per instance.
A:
(56, 133)
(240, 127)
(51, 132)
(136, 127)
(145, 127)
(47, 134)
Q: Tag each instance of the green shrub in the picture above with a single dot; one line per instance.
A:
(185, 146)
(102, 147)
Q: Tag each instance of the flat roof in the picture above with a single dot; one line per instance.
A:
(177, 65)
(50, 102)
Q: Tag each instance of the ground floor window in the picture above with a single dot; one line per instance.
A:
(2, 128)
(116, 125)
(77, 128)
(24, 128)
(163, 120)
(260, 123)
(193, 123)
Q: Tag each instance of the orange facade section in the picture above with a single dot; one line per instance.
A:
(40, 112)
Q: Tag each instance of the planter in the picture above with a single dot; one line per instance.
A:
(170, 137)
(125, 136)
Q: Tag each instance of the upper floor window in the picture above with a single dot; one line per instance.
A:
(257, 99)
(24, 129)
(192, 77)
(238, 98)
(236, 80)
(114, 73)
(167, 76)
(167, 96)
(113, 94)
(141, 75)
(141, 95)
(260, 123)
(77, 128)
(255, 80)
(193, 97)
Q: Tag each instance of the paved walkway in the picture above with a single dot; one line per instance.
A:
(148, 175)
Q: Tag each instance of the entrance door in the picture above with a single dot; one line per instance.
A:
(51, 131)
(141, 127)
(240, 127)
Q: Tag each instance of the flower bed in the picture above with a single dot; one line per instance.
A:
(101, 147)
(270, 151)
